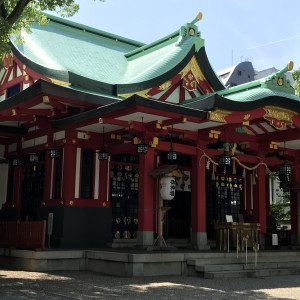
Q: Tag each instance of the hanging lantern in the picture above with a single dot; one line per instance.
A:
(33, 158)
(167, 187)
(102, 154)
(141, 148)
(224, 159)
(171, 155)
(16, 161)
(54, 152)
(285, 168)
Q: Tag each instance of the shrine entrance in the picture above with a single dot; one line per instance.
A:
(178, 218)
(124, 189)
(223, 197)
(32, 188)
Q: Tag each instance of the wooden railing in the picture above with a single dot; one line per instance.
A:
(232, 234)
(23, 235)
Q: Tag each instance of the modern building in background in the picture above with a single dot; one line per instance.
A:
(244, 72)
(238, 74)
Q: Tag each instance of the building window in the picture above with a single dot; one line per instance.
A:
(13, 90)
(87, 171)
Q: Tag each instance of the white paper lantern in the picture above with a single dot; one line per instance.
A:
(167, 187)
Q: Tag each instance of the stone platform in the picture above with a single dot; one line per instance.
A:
(133, 263)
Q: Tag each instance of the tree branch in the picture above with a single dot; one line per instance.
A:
(17, 12)
(3, 12)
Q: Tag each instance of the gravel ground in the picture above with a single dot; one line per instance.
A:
(86, 285)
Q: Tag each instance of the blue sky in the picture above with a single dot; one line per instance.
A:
(265, 32)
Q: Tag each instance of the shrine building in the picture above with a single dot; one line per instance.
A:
(87, 116)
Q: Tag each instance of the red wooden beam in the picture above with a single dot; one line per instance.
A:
(166, 95)
(280, 135)
(17, 118)
(113, 122)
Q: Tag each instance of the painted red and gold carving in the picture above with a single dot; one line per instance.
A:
(8, 61)
(189, 81)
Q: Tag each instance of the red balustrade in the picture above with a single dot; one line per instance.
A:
(23, 235)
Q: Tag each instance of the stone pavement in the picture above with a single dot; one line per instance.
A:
(87, 285)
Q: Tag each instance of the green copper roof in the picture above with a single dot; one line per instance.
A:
(96, 60)
(259, 93)
(275, 86)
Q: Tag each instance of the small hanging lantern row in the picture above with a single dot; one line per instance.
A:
(54, 151)
(16, 161)
(142, 147)
(33, 158)
(285, 168)
(102, 154)
(224, 160)
(172, 154)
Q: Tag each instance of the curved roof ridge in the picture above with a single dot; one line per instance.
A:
(92, 30)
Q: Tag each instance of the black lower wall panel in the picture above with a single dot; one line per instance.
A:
(8, 215)
(79, 227)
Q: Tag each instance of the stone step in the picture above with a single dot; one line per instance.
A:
(238, 267)
(274, 265)
(218, 260)
(276, 272)
(215, 268)
(229, 274)
(250, 273)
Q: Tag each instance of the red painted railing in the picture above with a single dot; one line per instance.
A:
(23, 235)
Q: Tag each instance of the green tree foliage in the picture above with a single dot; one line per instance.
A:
(296, 77)
(16, 15)
(280, 209)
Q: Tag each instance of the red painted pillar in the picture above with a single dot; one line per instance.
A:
(295, 201)
(48, 172)
(104, 176)
(147, 197)
(17, 182)
(294, 208)
(261, 199)
(199, 236)
(249, 193)
(17, 189)
(268, 208)
(69, 171)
